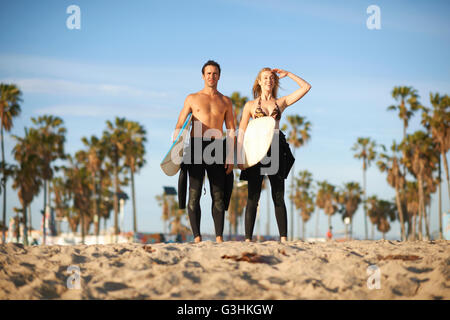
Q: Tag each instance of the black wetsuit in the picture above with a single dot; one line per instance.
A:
(254, 177)
(197, 165)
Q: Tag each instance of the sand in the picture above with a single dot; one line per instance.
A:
(230, 270)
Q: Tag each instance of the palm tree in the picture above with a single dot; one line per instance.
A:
(163, 201)
(238, 102)
(421, 159)
(114, 139)
(27, 174)
(411, 196)
(405, 95)
(134, 156)
(237, 203)
(49, 147)
(236, 206)
(298, 136)
(437, 122)
(105, 195)
(326, 199)
(396, 179)
(176, 220)
(365, 150)
(379, 212)
(303, 198)
(61, 198)
(95, 157)
(349, 198)
(10, 96)
(79, 181)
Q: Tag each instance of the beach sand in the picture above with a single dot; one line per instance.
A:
(230, 270)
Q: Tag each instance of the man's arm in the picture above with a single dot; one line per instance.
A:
(183, 115)
(230, 136)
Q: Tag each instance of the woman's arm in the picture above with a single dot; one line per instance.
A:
(292, 98)
(246, 114)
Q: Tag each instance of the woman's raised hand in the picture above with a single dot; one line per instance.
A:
(281, 73)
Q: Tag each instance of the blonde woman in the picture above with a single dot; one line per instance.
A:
(267, 104)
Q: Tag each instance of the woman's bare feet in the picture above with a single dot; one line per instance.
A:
(248, 240)
(219, 239)
(283, 239)
(198, 239)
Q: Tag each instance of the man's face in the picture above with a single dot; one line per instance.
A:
(211, 76)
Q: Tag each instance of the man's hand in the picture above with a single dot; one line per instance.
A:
(229, 167)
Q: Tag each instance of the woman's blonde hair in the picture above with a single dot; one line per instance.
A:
(257, 88)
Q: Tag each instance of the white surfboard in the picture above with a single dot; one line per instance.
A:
(257, 140)
(173, 158)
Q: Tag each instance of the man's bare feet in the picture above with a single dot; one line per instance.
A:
(219, 239)
(248, 240)
(283, 239)
(198, 239)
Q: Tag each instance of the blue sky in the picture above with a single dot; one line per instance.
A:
(140, 59)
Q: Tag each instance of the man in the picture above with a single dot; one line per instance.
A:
(210, 109)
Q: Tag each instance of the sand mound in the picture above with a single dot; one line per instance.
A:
(230, 270)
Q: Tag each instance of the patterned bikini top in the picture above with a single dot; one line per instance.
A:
(276, 113)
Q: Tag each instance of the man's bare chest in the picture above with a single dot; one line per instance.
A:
(208, 107)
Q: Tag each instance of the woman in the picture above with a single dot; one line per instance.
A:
(266, 104)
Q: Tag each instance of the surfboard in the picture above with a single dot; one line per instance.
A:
(257, 140)
(173, 158)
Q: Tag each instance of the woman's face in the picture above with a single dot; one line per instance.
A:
(267, 81)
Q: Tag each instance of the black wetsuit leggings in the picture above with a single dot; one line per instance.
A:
(254, 192)
(216, 177)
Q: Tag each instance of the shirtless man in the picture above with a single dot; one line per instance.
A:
(210, 109)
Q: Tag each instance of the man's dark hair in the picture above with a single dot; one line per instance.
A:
(210, 63)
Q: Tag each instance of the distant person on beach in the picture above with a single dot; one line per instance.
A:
(329, 234)
(210, 110)
(267, 104)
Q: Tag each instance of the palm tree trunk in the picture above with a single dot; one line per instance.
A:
(446, 172)
(3, 187)
(421, 206)
(400, 212)
(346, 231)
(25, 227)
(351, 228)
(364, 202)
(30, 225)
(116, 200)
(133, 199)
(95, 206)
(44, 218)
(317, 222)
(292, 200)
(441, 235)
(409, 231)
(303, 229)
(82, 226)
(427, 224)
